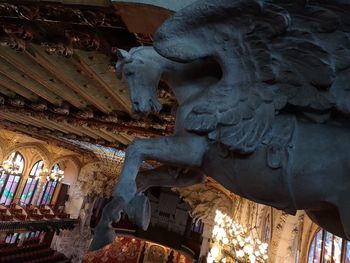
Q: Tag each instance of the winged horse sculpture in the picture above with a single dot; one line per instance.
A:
(263, 89)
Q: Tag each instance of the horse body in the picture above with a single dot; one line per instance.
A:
(316, 181)
(295, 172)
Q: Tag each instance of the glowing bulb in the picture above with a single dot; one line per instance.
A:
(214, 252)
(248, 249)
(252, 258)
(240, 253)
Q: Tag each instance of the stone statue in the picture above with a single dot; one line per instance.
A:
(263, 89)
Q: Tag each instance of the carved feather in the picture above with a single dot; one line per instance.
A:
(272, 53)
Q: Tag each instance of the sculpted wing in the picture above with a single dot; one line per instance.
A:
(275, 56)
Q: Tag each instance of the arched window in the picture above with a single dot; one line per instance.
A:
(49, 188)
(10, 176)
(328, 248)
(31, 183)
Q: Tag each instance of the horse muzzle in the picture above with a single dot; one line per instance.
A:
(145, 108)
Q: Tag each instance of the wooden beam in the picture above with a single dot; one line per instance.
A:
(7, 92)
(25, 63)
(17, 88)
(120, 127)
(118, 136)
(72, 77)
(96, 66)
(99, 133)
(24, 80)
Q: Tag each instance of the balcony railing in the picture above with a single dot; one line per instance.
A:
(38, 225)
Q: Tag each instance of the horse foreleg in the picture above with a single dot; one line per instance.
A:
(185, 151)
(103, 232)
(167, 176)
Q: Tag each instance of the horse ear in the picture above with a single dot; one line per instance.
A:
(122, 54)
(123, 58)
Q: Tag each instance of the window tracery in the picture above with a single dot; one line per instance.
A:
(31, 183)
(9, 181)
(328, 248)
(46, 195)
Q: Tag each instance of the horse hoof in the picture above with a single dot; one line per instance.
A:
(102, 238)
(139, 211)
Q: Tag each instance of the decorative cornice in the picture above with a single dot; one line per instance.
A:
(40, 225)
(75, 24)
(111, 122)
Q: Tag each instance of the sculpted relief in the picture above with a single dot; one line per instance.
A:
(264, 108)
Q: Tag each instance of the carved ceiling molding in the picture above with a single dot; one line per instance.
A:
(102, 121)
(55, 12)
(20, 20)
(99, 178)
(205, 199)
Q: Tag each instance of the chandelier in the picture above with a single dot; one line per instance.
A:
(10, 167)
(54, 174)
(231, 243)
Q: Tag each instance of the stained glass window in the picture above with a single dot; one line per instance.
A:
(315, 249)
(11, 238)
(347, 252)
(31, 183)
(49, 189)
(9, 181)
(328, 248)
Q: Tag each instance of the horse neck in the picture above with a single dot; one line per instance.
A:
(183, 79)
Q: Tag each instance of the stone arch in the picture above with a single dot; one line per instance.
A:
(74, 159)
(42, 151)
(71, 170)
(309, 230)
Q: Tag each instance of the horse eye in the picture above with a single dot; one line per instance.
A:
(129, 73)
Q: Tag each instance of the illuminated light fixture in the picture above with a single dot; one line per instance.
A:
(55, 175)
(231, 243)
(10, 167)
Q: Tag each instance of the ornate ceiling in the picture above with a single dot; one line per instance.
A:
(57, 78)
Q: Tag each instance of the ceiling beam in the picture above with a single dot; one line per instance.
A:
(14, 73)
(19, 89)
(73, 78)
(119, 127)
(96, 66)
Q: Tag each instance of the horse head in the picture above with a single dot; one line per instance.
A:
(142, 75)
